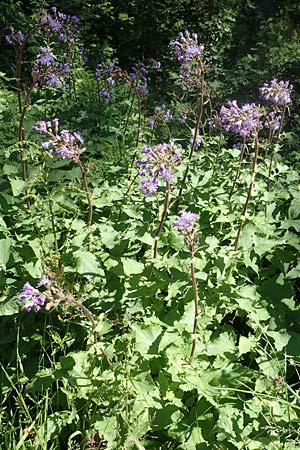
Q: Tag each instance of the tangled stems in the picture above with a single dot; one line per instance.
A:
(250, 188)
(160, 226)
(90, 317)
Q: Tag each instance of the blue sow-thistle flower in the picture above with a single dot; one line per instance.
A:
(186, 47)
(47, 71)
(159, 163)
(243, 121)
(278, 92)
(32, 298)
(66, 144)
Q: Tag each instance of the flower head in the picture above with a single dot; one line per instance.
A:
(159, 162)
(186, 221)
(33, 298)
(47, 71)
(243, 121)
(278, 92)
(15, 37)
(186, 47)
(66, 144)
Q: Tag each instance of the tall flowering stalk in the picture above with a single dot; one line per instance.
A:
(246, 122)
(46, 71)
(158, 164)
(186, 225)
(188, 51)
(278, 93)
(47, 294)
(66, 145)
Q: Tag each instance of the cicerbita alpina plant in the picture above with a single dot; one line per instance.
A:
(48, 295)
(246, 122)
(158, 165)
(188, 51)
(278, 93)
(186, 224)
(46, 70)
(66, 145)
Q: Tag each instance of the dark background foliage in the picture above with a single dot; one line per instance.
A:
(248, 41)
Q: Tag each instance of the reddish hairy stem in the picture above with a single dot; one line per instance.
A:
(197, 126)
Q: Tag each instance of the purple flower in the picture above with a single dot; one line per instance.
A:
(186, 221)
(273, 120)
(278, 92)
(160, 161)
(161, 114)
(187, 47)
(34, 299)
(15, 37)
(149, 186)
(156, 65)
(66, 144)
(243, 121)
(46, 70)
(138, 76)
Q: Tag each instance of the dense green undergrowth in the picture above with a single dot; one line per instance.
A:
(108, 363)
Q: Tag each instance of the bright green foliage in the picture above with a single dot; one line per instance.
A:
(117, 373)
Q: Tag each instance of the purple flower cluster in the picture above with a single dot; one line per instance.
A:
(138, 77)
(65, 144)
(108, 75)
(278, 92)
(187, 48)
(160, 161)
(47, 71)
(15, 37)
(60, 23)
(161, 114)
(243, 121)
(186, 222)
(32, 296)
(273, 120)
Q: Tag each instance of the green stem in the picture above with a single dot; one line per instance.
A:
(196, 303)
(87, 192)
(160, 226)
(251, 184)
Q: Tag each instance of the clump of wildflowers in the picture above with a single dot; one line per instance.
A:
(47, 71)
(278, 92)
(243, 121)
(138, 78)
(159, 162)
(33, 297)
(65, 144)
(161, 114)
(15, 37)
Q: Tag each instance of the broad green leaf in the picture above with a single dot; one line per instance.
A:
(5, 247)
(17, 186)
(131, 266)
(145, 336)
